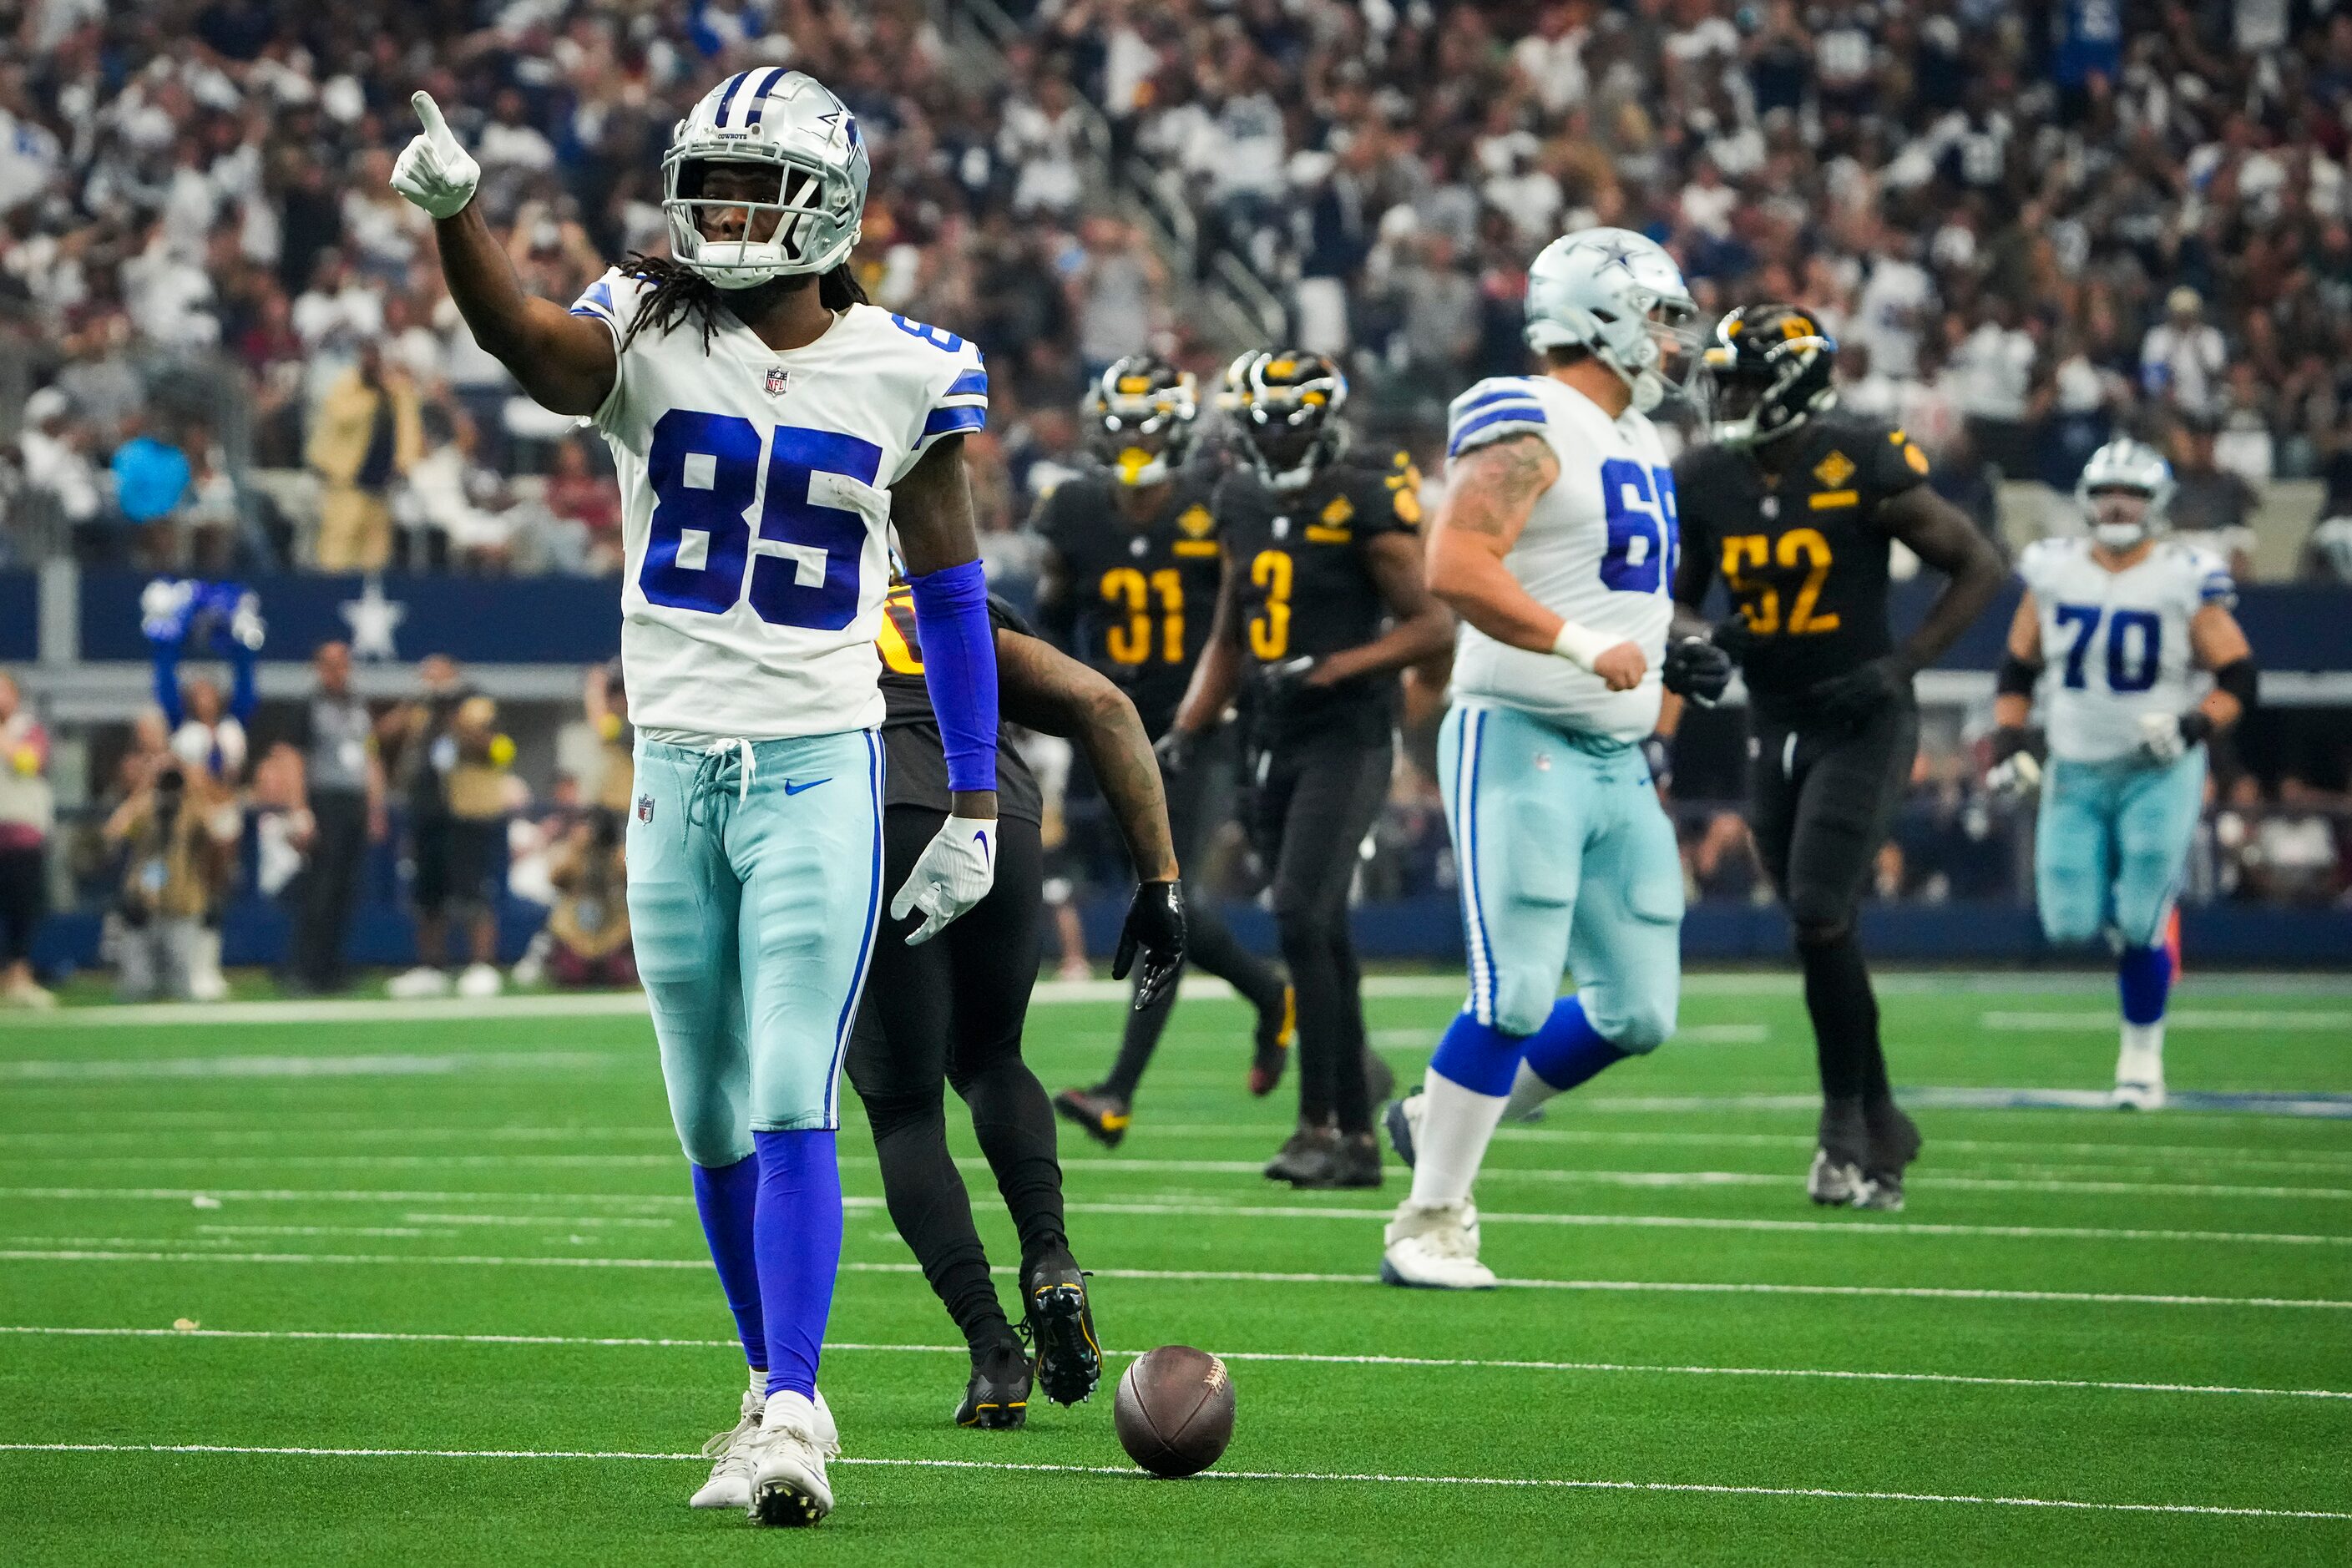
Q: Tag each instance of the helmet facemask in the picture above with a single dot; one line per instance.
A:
(2121, 519)
(1290, 411)
(1140, 421)
(763, 211)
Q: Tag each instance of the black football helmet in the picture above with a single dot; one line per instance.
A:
(1139, 419)
(1290, 405)
(1766, 372)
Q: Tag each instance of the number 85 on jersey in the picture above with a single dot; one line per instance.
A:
(705, 470)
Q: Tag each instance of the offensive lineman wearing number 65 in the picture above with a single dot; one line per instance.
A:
(770, 429)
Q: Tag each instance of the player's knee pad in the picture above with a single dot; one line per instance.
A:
(711, 1132)
(1524, 1000)
(2070, 922)
(1309, 931)
(1636, 1024)
(888, 1113)
(1817, 928)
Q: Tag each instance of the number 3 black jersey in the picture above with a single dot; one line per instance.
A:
(1140, 597)
(1802, 550)
(1305, 588)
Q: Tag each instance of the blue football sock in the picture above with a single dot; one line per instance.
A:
(2143, 976)
(727, 1196)
(1568, 1049)
(1479, 1057)
(797, 1236)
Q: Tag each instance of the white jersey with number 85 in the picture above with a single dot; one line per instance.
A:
(755, 508)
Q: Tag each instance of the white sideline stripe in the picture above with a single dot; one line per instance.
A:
(1666, 1287)
(1950, 1180)
(112, 1069)
(1191, 1210)
(2186, 1018)
(1052, 992)
(370, 1336)
(1129, 1473)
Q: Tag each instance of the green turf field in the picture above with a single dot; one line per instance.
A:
(451, 1306)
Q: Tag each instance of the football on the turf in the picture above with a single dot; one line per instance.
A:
(1175, 1410)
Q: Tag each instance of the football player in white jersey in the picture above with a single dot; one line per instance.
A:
(2118, 632)
(770, 429)
(1555, 544)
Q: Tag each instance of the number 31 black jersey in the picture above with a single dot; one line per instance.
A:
(1802, 548)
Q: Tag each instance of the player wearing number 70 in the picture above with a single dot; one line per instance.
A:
(770, 427)
(1555, 545)
(2126, 619)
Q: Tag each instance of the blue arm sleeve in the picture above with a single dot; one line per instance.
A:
(243, 698)
(959, 669)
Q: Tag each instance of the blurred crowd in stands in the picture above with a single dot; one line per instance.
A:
(2028, 226)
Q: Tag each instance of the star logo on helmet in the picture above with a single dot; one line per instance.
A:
(1617, 253)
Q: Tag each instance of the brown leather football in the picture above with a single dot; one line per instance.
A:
(1175, 1410)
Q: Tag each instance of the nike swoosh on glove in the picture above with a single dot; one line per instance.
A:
(434, 172)
(1155, 928)
(956, 870)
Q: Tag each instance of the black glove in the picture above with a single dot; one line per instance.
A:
(1155, 928)
(1853, 697)
(1659, 752)
(1174, 751)
(1698, 669)
(1281, 683)
(2008, 741)
(1732, 635)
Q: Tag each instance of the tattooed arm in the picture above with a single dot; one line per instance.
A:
(1044, 690)
(1489, 493)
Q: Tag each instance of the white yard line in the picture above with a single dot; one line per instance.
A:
(1952, 1181)
(1129, 1473)
(1700, 1287)
(1179, 1206)
(114, 1069)
(2280, 1019)
(365, 1336)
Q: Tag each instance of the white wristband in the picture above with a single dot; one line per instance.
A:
(1580, 646)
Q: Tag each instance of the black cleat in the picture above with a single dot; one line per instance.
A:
(1104, 1117)
(1356, 1163)
(997, 1398)
(1276, 1029)
(1836, 1178)
(1893, 1140)
(1379, 1078)
(1400, 1121)
(1306, 1158)
(1062, 1327)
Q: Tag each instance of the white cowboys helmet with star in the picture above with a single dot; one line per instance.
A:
(787, 120)
(2124, 489)
(1618, 295)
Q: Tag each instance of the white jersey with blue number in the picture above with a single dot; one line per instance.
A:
(1598, 550)
(755, 509)
(2114, 645)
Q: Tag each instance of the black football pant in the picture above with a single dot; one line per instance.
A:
(1315, 800)
(329, 887)
(1200, 799)
(1821, 799)
(951, 1011)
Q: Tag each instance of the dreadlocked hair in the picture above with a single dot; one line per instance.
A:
(680, 294)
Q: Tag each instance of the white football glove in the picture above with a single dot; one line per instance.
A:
(434, 172)
(956, 871)
(2160, 740)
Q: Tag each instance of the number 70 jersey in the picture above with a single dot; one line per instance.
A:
(1598, 550)
(755, 508)
(2114, 645)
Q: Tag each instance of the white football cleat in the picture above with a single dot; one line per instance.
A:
(1434, 1246)
(480, 980)
(729, 1485)
(2139, 1080)
(787, 1454)
(417, 983)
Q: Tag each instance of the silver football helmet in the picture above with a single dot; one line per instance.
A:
(2124, 491)
(779, 118)
(1621, 296)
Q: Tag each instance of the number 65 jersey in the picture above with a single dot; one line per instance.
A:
(755, 508)
(1598, 550)
(2114, 645)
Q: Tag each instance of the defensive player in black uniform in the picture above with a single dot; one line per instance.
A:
(1130, 579)
(1796, 505)
(1322, 602)
(951, 1010)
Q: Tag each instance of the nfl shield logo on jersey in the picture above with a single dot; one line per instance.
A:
(645, 808)
(779, 378)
